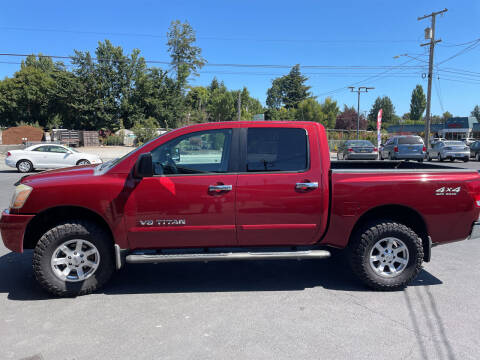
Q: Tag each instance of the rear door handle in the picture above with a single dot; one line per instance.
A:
(218, 188)
(306, 185)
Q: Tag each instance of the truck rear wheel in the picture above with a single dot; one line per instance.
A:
(386, 255)
(73, 258)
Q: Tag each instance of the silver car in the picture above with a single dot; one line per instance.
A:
(405, 147)
(357, 150)
(449, 150)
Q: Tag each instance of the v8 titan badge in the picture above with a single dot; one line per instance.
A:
(449, 191)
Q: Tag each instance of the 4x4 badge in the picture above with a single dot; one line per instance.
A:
(447, 191)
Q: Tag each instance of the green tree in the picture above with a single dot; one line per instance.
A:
(275, 94)
(331, 110)
(417, 103)
(476, 112)
(108, 86)
(221, 106)
(30, 94)
(388, 112)
(288, 90)
(310, 110)
(186, 57)
(145, 129)
(446, 115)
(281, 114)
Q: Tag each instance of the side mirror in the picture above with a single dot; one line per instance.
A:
(143, 167)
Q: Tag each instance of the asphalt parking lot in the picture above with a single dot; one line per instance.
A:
(245, 310)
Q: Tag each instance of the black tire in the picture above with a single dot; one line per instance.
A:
(477, 156)
(429, 157)
(420, 160)
(24, 166)
(466, 160)
(362, 244)
(83, 161)
(452, 159)
(390, 156)
(440, 158)
(61, 233)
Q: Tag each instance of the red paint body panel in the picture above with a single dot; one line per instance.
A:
(209, 217)
(448, 218)
(266, 202)
(13, 228)
(261, 209)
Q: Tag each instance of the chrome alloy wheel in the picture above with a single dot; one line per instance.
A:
(24, 166)
(389, 257)
(75, 260)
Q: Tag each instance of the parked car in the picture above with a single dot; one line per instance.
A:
(262, 190)
(405, 147)
(450, 150)
(48, 157)
(357, 150)
(475, 150)
(468, 141)
(436, 140)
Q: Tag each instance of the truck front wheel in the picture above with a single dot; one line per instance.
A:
(386, 255)
(73, 258)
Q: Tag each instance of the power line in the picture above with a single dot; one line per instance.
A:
(269, 66)
(462, 81)
(361, 81)
(439, 95)
(220, 38)
(461, 52)
(462, 44)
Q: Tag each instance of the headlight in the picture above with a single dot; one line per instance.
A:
(20, 196)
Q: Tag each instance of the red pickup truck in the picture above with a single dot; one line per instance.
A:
(238, 191)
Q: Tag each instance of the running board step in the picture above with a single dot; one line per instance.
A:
(158, 258)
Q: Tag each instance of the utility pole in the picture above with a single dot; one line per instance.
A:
(359, 90)
(239, 105)
(430, 34)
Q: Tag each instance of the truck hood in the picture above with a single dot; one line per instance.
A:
(59, 174)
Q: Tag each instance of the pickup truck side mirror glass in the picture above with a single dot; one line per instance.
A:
(144, 166)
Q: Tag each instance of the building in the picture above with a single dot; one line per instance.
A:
(455, 128)
(458, 128)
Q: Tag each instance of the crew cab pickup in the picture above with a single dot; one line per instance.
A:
(238, 191)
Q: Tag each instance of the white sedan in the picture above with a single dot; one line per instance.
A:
(48, 157)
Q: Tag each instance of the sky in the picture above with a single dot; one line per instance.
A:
(337, 43)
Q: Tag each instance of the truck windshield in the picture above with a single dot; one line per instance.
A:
(111, 163)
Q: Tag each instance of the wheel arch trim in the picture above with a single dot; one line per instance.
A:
(47, 218)
(400, 213)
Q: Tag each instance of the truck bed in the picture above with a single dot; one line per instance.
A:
(375, 165)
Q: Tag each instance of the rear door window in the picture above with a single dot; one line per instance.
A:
(412, 140)
(276, 149)
(41, 149)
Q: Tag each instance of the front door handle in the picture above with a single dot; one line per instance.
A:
(306, 185)
(218, 188)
